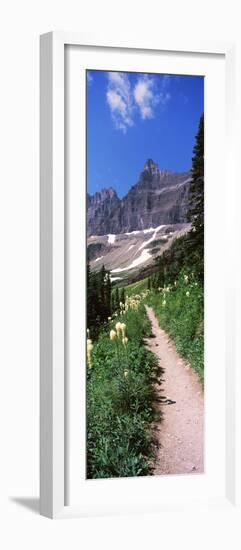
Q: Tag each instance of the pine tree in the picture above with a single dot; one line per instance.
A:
(108, 294)
(122, 295)
(196, 203)
(113, 304)
(117, 299)
(98, 298)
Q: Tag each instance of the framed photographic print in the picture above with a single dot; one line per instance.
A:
(138, 397)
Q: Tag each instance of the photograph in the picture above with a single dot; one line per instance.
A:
(144, 274)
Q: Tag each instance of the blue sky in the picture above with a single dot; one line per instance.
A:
(132, 117)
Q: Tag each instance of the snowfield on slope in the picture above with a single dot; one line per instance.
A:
(126, 253)
(145, 255)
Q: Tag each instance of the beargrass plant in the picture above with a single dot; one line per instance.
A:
(121, 399)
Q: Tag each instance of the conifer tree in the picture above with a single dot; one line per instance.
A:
(108, 294)
(122, 295)
(98, 298)
(117, 299)
(196, 203)
(113, 305)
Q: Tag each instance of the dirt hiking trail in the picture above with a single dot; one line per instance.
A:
(180, 445)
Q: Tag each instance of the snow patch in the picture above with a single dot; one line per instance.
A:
(143, 245)
(100, 258)
(133, 233)
(149, 230)
(115, 278)
(145, 255)
(131, 246)
(111, 238)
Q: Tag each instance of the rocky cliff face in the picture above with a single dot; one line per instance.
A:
(159, 197)
(100, 209)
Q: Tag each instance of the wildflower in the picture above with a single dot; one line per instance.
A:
(123, 329)
(126, 372)
(90, 348)
(113, 335)
(188, 293)
(88, 332)
(118, 329)
(125, 341)
(185, 278)
(109, 318)
(164, 302)
(175, 283)
(89, 341)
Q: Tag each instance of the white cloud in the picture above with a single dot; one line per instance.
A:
(119, 99)
(145, 97)
(147, 94)
(125, 101)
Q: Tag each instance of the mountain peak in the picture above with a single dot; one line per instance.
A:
(108, 192)
(151, 167)
(104, 194)
(158, 198)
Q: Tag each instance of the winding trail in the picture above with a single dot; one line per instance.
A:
(180, 442)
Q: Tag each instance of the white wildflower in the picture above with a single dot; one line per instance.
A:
(123, 329)
(118, 329)
(90, 348)
(113, 335)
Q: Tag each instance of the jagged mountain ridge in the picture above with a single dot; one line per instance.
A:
(158, 197)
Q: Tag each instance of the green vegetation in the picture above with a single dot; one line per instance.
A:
(121, 372)
(120, 398)
(98, 299)
(137, 288)
(195, 243)
(179, 308)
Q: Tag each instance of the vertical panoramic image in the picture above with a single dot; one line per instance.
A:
(145, 274)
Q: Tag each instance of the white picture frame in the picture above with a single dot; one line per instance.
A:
(54, 437)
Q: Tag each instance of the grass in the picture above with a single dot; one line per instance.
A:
(180, 311)
(120, 401)
(136, 288)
